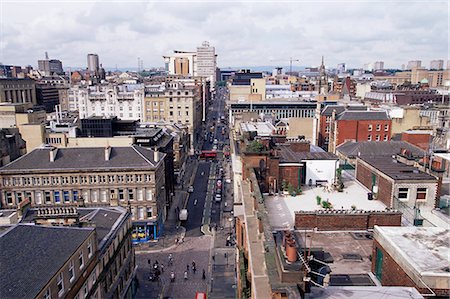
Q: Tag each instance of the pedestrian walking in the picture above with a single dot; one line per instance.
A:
(194, 269)
(193, 264)
(162, 268)
(170, 260)
(204, 274)
(172, 276)
(185, 275)
(187, 267)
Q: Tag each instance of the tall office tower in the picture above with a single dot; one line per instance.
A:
(206, 62)
(379, 65)
(437, 64)
(414, 64)
(341, 68)
(92, 62)
(50, 66)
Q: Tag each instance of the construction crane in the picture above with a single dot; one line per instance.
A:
(290, 62)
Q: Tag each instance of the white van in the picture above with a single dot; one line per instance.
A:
(183, 215)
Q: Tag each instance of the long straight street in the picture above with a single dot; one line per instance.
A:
(208, 239)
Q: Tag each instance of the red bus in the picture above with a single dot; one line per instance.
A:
(208, 154)
(200, 295)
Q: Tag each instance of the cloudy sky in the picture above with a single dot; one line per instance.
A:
(248, 33)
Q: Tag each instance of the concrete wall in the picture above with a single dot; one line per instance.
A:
(239, 92)
(301, 126)
(321, 170)
(325, 220)
(34, 135)
(410, 120)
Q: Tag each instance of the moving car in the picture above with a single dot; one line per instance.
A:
(218, 198)
(191, 189)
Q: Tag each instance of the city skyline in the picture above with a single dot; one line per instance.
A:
(244, 33)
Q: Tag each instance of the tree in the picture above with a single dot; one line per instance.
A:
(256, 147)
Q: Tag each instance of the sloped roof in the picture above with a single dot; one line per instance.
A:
(363, 115)
(287, 155)
(377, 148)
(88, 158)
(31, 255)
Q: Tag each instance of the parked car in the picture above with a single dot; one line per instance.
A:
(191, 189)
(183, 215)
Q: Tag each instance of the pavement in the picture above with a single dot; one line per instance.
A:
(173, 231)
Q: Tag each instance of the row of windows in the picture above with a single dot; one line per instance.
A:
(70, 180)
(377, 138)
(80, 262)
(403, 194)
(378, 127)
(281, 113)
(73, 196)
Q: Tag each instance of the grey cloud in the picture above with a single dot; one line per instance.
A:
(243, 33)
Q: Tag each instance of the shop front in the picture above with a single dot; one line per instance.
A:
(145, 231)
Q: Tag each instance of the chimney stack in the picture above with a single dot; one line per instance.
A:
(155, 155)
(53, 152)
(107, 153)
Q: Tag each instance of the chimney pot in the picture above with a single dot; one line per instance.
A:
(53, 152)
(107, 153)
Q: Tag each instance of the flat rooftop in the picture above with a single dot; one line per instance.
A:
(357, 292)
(395, 169)
(423, 249)
(262, 128)
(350, 251)
(281, 208)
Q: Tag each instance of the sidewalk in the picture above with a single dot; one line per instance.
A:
(172, 229)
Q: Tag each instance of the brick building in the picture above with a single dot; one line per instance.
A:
(359, 126)
(419, 138)
(413, 257)
(325, 121)
(398, 185)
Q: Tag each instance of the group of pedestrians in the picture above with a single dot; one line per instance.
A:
(186, 273)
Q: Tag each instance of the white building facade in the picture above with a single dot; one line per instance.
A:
(122, 101)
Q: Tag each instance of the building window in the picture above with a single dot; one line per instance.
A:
(89, 248)
(385, 138)
(369, 128)
(121, 194)
(421, 194)
(369, 137)
(81, 260)
(386, 128)
(66, 196)
(85, 289)
(378, 127)
(377, 137)
(9, 198)
(149, 195)
(403, 194)
(149, 212)
(71, 271)
(60, 283)
(57, 196)
(47, 294)
(38, 197)
(141, 213)
(75, 195)
(140, 195)
(19, 197)
(48, 197)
